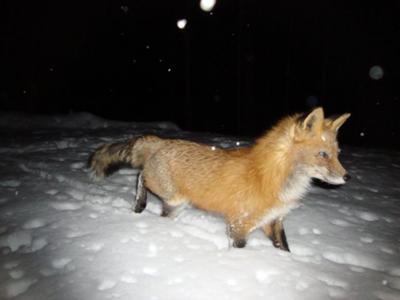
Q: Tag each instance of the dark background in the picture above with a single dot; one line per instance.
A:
(235, 70)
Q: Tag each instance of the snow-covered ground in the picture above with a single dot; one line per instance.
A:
(63, 236)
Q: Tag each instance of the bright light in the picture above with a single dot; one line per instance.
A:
(207, 5)
(376, 72)
(181, 23)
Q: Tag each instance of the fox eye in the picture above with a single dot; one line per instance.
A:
(323, 154)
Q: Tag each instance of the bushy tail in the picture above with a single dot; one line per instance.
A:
(133, 152)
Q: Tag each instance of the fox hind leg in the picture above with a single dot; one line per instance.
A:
(166, 209)
(141, 195)
(173, 207)
(276, 233)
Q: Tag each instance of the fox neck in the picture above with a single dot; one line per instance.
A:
(281, 176)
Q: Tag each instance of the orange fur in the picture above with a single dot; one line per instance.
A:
(250, 187)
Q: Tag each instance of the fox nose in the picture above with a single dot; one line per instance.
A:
(346, 177)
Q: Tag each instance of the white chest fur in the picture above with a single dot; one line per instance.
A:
(295, 187)
(293, 190)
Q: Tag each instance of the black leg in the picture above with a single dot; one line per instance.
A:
(278, 235)
(141, 195)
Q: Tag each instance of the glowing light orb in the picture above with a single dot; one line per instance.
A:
(376, 72)
(207, 5)
(181, 23)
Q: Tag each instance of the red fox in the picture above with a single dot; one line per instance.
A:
(253, 187)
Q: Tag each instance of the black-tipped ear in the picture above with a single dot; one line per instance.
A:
(339, 121)
(314, 120)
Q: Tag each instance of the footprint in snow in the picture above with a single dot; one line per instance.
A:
(367, 216)
(231, 282)
(141, 225)
(3, 229)
(52, 192)
(357, 269)
(16, 274)
(38, 244)
(337, 293)
(77, 195)
(359, 197)
(17, 287)
(106, 284)
(395, 271)
(66, 205)
(95, 247)
(351, 259)
(340, 222)
(152, 250)
(120, 203)
(60, 263)
(47, 272)
(301, 285)
(373, 190)
(333, 281)
(34, 223)
(264, 276)
(127, 278)
(75, 234)
(3, 200)
(316, 231)
(387, 250)
(176, 234)
(179, 259)
(303, 231)
(10, 183)
(150, 271)
(345, 211)
(366, 239)
(77, 165)
(394, 283)
(16, 239)
(301, 250)
(176, 280)
(11, 265)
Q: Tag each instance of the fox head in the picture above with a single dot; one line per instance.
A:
(315, 146)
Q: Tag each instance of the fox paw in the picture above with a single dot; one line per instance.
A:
(239, 243)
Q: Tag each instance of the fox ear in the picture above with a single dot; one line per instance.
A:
(339, 121)
(314, 121)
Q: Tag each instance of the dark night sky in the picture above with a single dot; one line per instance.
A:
(234, 71)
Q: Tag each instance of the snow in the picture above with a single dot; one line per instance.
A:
(63, 236)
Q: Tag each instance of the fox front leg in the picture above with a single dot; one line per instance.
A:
(141, 195)
(276, 233)
(238, 234)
